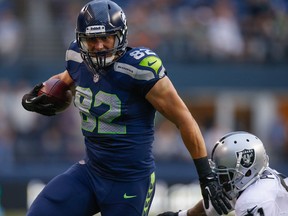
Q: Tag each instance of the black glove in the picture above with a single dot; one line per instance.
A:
(210, 189)
(34, 103)
(168, 214)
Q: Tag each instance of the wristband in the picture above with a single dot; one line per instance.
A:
(202, 166)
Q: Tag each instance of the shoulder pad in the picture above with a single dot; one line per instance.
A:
(73, 54)
(152, 62)
(141, 63)
(133, 72)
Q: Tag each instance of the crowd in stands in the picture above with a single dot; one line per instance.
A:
(179, 30)
(32, 32)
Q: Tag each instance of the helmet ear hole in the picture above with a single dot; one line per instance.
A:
(248, 173)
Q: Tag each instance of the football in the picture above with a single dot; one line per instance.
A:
(58, 93)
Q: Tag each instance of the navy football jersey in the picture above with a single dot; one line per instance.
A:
(117, 120)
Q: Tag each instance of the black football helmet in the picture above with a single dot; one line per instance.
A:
(101, 18)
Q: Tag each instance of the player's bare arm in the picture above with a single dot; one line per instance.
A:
(166, 100)
(198, 210)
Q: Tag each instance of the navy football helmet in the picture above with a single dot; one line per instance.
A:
(238, 160)
(100, 19)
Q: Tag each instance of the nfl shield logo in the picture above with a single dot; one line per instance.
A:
(96, 78)
(247, 157)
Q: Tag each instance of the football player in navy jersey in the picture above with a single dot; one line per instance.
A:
(240, 161)
(117, 90)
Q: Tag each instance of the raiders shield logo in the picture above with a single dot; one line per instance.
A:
(247, 157)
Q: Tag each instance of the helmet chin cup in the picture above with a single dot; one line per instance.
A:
(96, 64)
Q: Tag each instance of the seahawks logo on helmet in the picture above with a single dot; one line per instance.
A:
(247, 157)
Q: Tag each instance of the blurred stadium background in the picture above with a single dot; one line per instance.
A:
(227, 58)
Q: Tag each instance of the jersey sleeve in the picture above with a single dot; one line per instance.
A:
(261, 198)
(265, 208)
(73, 60)
(143, 66)
(154, 65)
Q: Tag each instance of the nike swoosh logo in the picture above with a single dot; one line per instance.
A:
(249, 211)
(30, 101)
(151, 63)
(125, 196)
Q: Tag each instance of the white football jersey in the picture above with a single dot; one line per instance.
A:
(212, 212)
(266, 197)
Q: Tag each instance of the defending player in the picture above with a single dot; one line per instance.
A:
(118, 90)
(239, 160)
